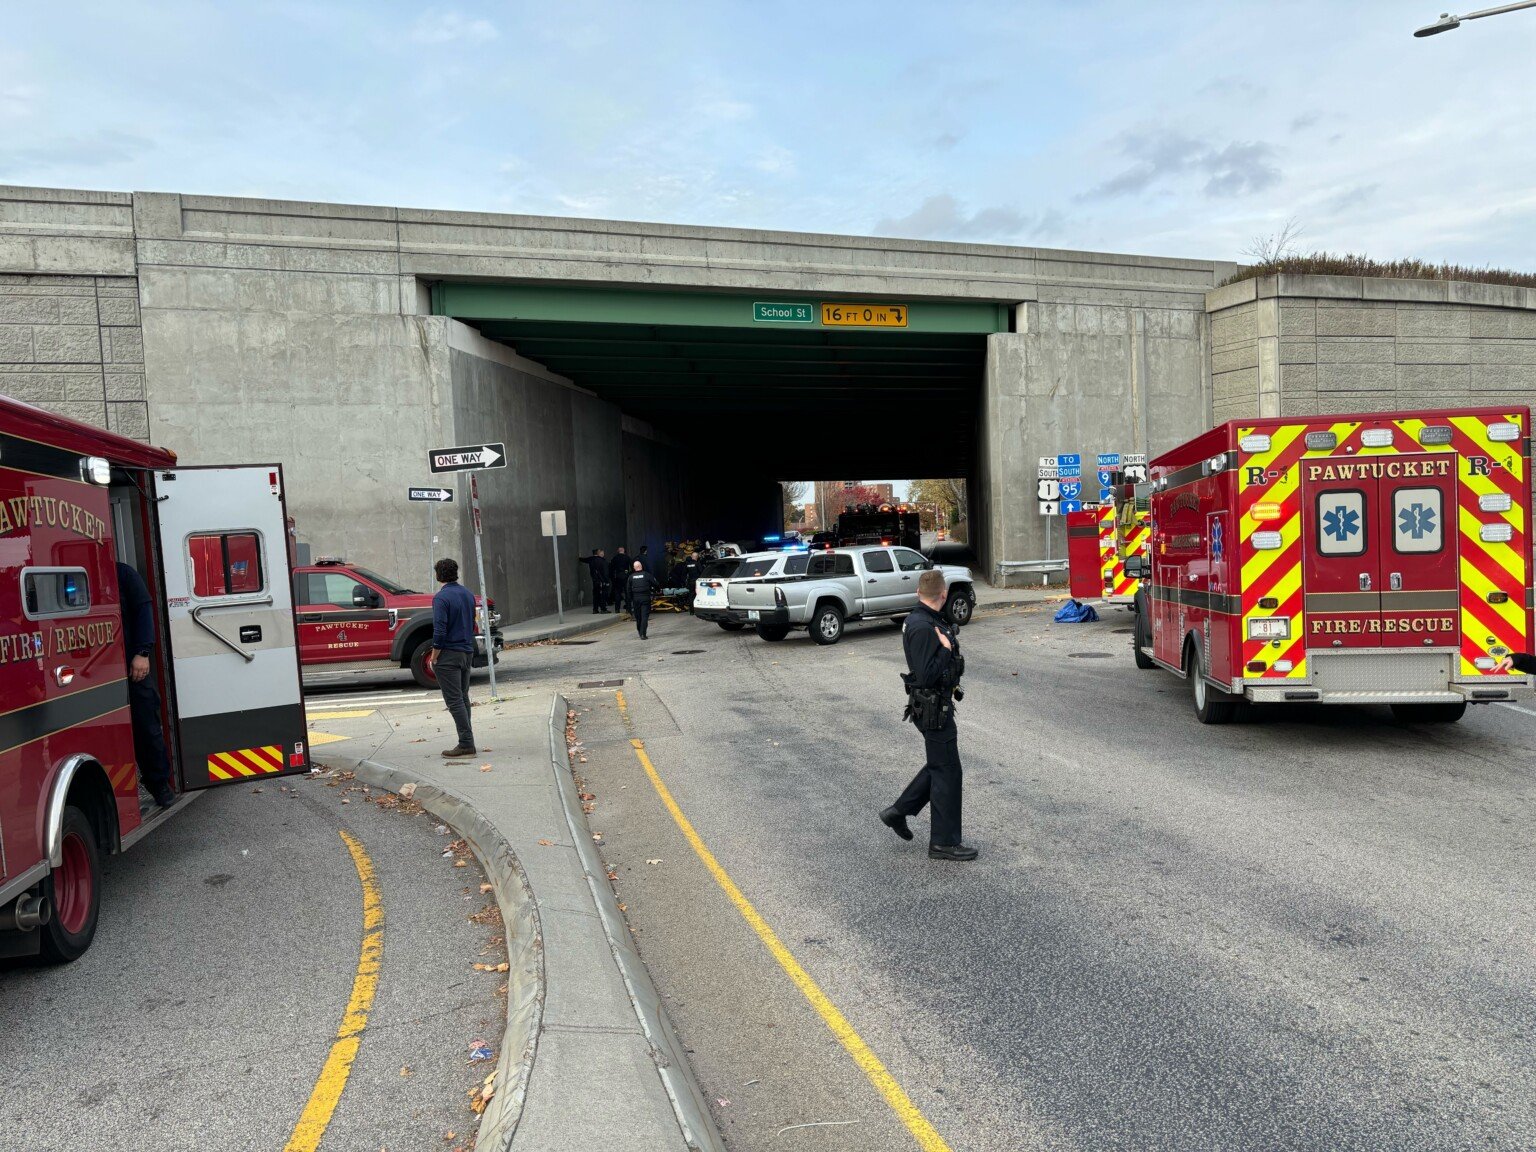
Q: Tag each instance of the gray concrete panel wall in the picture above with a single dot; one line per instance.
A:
(74, 345)
(1322, 345)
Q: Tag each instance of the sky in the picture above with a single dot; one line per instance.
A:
(1183, 129)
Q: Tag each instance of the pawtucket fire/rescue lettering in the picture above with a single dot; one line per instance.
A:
(1384, 624)
(19, 512)
(1379, 469)
(21, 646)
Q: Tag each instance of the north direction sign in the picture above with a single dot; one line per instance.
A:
(470, 458)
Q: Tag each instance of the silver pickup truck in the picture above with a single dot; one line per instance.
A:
(843, 585)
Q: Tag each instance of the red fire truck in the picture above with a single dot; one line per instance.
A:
(1342, 560)
(210, 543)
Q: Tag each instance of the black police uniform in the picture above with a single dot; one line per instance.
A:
(143, 699)
(933, 667)
(641, 587)
(597, 567)
(618, 576)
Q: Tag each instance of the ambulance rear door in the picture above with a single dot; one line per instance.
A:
(236, 699)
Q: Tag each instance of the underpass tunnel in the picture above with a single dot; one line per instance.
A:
(722, 396)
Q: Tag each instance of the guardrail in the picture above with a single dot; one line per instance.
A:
(1031, 567)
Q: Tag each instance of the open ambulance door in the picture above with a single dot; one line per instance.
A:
(237, 705)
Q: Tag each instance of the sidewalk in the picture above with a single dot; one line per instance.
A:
(577, 621)
(589, 1059)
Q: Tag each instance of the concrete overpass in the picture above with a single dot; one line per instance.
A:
(629, 367)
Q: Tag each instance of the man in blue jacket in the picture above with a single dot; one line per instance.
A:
(453, 650)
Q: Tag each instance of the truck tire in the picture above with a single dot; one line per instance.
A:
(1429, 713)
(731, 625)
(1212, 705)
(827, 624)
(74, 891)
(420, 670)
(773, 631)
(1141, 632)
(959, 607)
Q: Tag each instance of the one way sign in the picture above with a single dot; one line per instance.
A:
(467, 459)
(440, 495)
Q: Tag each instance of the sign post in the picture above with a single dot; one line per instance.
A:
(552, 524)
(432, 497)
(474, 513)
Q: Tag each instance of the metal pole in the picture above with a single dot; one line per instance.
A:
(431, 539)
(554, 543)
(474, 515)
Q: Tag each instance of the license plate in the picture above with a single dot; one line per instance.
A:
(753, 614)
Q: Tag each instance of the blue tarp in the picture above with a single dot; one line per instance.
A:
(1074, 612)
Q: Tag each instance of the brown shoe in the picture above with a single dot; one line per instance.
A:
(459, 750)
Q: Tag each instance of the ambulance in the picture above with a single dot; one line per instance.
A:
(1100, 539)
(211, 545)
(1364, 559)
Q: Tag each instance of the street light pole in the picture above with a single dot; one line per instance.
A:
(1447, 21)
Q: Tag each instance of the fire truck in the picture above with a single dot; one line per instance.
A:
(211, 545)
(880, 524)
(1101, 539)
(1363, 559)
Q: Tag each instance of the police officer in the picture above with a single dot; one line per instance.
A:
(934, 668)
(641, 587)
(618, 576)
(597, 567)
(143, 699)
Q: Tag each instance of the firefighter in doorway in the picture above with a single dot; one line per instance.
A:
(143, 698)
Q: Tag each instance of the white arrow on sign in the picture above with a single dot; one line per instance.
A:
(443, 495)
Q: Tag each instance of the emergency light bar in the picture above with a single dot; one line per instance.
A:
(1504, 430)
(1254, 442)
(1376, 437)
(1267, 541)
(96, 470)
(1264, 510)
(1320, 441)
(1435, 434)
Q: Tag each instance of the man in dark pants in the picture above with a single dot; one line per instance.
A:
(618, 578)
(597, 568)
(453, 650)
(642, 586)
(143, 699)
(934, 665)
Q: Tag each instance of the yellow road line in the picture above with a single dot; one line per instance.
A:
(900, 1103)
(351, 714)
(310, 1129)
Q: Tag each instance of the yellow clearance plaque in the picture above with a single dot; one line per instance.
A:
(864, 315)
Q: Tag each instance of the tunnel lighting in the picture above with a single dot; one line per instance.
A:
(1435, 434)
(1504, 430)
(1495, 533)
(1322, 441)
(1254, 442)
(1264, 510)
(1495, 502)
(1265, 541)
(1376, 437)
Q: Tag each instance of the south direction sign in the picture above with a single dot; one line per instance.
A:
(469, 458)
(782, 312)
(438, 495)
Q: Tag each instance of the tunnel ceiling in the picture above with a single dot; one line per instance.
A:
(791, 400)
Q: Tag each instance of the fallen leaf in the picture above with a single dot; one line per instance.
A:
(461, 863)
(344, 800)
(653, 861)
(405, 1070)
(485, 767)
(485, 887)
(546, 843)
(598, 836)
(408, 790)
(418, 740)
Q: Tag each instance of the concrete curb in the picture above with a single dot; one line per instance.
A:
(698, 1127)
(525, 944)
(561, 631)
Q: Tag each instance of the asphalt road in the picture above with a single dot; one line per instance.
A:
(202, 1016)
(1308, 930)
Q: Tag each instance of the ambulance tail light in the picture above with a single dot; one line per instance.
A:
(1495, 533)
(1498, 597)
(1486, 663)
(1376, 437)
(1495, 502)
(1269, 603)
(1254, 442)
(1284, 665)
(1255, 665)
(1264, 510)
(1321, 441)
(1504, 430)
(96, 470)
(1435, 434)
(1265, 541)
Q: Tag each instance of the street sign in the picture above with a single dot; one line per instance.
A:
(439, 495)
(1109, 459)
(1047, 489)
(1050, 473)
(474, 504)
(469, 458)
(474, 515)
(1106, 494)
(1071, 489)
(1048, 462)
(1071, 506)
(1070, 463)
(552, 523)
(1050, 508)
(840, 315)
(1134, 458)
(782, 312)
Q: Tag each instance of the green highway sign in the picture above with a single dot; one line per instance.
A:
(783, 312)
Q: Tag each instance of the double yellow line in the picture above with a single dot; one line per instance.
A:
(927, 1137)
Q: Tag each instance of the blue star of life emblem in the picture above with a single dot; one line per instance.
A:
(1417, 520)
(1341, 523)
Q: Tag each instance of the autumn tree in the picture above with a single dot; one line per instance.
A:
(947, 495)
(795, 492)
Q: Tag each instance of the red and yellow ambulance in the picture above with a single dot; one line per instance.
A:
(1099, 542)
(1342, 560)
(210, 543)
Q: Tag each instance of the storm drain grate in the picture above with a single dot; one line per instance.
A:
(601, 684)
(1088, 655)
(688, 652)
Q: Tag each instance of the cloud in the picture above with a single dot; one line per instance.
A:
(435, 26)
(98, 150)
(942, 217)
(775, 161)
(1159, 155)
(1305, 120)
(1351, 198)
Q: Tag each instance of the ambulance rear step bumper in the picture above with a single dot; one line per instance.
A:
(1383, 676)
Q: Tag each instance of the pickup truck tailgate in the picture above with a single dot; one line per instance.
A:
(749, 594)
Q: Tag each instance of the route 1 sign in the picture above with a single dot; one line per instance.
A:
(1047, 489)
